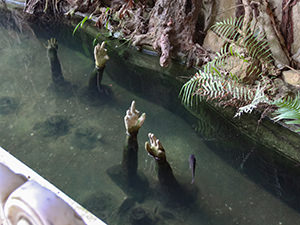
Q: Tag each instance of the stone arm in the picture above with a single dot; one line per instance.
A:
(133, 122)
(165, 173)
(95, 78)
(52, 47)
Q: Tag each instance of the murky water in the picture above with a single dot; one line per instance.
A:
(72, 140)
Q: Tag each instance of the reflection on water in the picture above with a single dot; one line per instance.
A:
(72, 140)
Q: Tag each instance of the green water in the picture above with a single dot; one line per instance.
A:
(87, 138)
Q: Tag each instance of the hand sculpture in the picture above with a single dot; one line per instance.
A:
(51, 44)
(56, 71)
(155, 148)
(133, 121)
(100, 55)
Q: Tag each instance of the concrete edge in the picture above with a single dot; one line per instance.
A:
(20, 168)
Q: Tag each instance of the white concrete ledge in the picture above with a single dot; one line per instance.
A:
(20, 168)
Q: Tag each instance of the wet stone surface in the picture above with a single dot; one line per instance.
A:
(99, 204)
(55, 126)
(8, 105)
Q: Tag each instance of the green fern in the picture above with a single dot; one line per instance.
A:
(188, 92)
(206, 86)
(253, 43)
(215, 82)
(289, 109)
(230, 28)
(218, 63)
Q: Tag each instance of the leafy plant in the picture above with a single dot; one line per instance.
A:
(216, 80)
(250, 46)
(289, 109)
(81, 23)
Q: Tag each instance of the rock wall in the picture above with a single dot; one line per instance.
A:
(228, 8)
(296, 45)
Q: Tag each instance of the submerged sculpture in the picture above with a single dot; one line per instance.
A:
(165, 174)
(172, 190)
(133, 122)
(95, 77)
(57, 76)
(126, 175)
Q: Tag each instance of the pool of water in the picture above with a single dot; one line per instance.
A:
(72, 141)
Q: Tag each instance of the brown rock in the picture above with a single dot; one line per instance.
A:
(292, 77)
(213, 42)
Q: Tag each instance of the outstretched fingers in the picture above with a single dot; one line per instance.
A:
(51, 44)
(155, 143)
(155, 148)
(152, 139)
(133, 121)
(141, 120)
(102, 45)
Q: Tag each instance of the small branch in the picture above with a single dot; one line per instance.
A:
(248, 15)
(291, 68)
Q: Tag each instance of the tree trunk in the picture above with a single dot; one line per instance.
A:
(172, 28)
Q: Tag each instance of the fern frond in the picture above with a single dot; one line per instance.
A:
(289, 109)
(247, 54)
(257, 47)
(253, 41)
(188, 91)
(229, 28)
(221, 60)
(210, 87)
(214, 65)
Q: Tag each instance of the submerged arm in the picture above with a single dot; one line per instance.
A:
(133, 122)
(56, 72)
(100, 55)
(165, 173)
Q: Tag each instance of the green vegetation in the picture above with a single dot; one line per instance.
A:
(289, 109)
(215, 81)
(240, 75)
(81, 23)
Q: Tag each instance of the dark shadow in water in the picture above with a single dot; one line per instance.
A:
(8, 105)
(137, 188)
(86, 138)
(64, 90)
(96, 98)
(54, 126)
